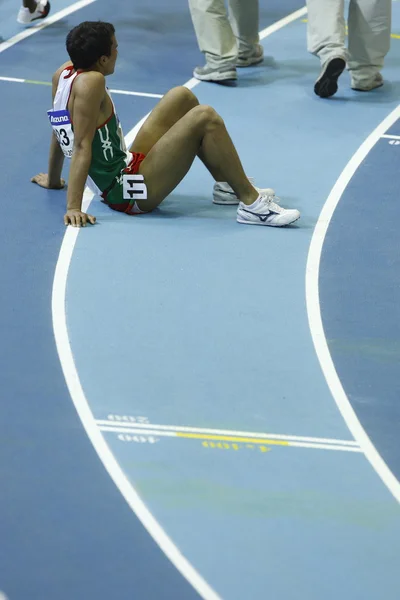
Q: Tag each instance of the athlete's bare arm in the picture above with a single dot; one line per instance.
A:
(53, 180)
(87, 100)
(85, 106)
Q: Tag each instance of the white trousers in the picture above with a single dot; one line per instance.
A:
(369, 23)
(224, 32)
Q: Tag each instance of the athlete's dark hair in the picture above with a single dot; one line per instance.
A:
(87, 42)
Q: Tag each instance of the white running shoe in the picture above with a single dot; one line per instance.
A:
(265, 211)
(224, 194)
(41, 12)
(208, 73)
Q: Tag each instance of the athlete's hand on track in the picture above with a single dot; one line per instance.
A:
(42, 179)
(77, 218)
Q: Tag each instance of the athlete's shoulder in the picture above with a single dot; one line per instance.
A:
(92, 78)
(90, 83)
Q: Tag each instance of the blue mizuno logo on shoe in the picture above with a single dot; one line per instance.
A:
(262, 218)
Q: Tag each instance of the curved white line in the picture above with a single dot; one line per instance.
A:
(314, 310)
(80, 401)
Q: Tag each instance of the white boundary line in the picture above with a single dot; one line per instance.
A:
(45, 23)
(153, 431)
(13, 79)
(48, 83)
(145, 94)
(391, 137)
(272, 436)
(283, 22)
(314, 309)
(81, 403)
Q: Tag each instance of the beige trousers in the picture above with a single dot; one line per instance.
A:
(369, 23)
(224, 32)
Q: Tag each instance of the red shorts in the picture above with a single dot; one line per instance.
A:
(116, 196)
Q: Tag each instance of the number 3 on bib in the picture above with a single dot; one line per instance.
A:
(134, 187)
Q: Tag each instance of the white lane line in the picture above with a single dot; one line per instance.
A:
(13, 79)
(184, 429)
(153, 431)
(45, 23)
(326, 447)
(283, 22)
(314, 309)
(122, 92)
(47, 83)
(145, 94)
(391, 137)
(82, 406)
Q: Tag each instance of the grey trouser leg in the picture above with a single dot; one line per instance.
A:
(244, 16)
(326, 29)
(369, 37)
(369, 33)
(216, 32)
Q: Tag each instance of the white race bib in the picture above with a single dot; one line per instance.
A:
(134, 187)
(60, 120)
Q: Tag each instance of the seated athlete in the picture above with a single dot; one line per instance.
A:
(87, 130)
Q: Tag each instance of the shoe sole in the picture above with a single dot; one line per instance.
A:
(244, 222)
(326, 86)
(228, 76)
(226, 203)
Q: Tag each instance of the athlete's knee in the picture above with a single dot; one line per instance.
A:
(207, 116)
(188, 97)
(184, 97)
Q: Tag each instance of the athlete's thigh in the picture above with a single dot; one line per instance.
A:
(173, 106)
(171, 158)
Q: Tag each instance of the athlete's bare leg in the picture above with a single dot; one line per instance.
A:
(172, 107)
(170, 158)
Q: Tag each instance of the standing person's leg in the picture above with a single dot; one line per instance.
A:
(369, 41)
(326, 39)
(169, 160)
(216, 40)
(244, 17)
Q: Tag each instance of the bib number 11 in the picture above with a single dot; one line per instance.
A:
(134, 187)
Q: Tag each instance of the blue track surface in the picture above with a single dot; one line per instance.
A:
(360, 283)
(185, 318)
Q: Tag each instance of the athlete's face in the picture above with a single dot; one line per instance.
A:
(109, 64)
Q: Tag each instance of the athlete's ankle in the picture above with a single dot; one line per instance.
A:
(249, 198)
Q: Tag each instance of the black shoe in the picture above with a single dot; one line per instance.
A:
(326, 84)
